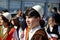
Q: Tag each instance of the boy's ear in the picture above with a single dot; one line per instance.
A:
(38, 19)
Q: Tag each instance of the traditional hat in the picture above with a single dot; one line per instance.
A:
(39, 9)
(7, 15)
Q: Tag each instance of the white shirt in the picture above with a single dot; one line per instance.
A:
(20, 30)
(15, 34)
(51, 28)
(32, 31)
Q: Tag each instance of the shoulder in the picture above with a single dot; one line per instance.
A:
(40, 31)
(37, 37)
(40, 35)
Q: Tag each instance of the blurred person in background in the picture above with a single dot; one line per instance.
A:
(15, 24)
(21, 18)
(52, 29)
(6, 13)
(53, 11)
(59, 20)
(57, 17)
(6, 31)
(18, 32)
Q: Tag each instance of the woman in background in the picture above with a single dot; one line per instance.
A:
(52, 29)
(18, 33)
(6, 30)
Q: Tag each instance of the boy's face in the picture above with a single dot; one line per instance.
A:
(31, 22)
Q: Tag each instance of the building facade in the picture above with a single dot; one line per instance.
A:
(12, 5)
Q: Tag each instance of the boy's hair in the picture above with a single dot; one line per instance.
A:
(32, 13)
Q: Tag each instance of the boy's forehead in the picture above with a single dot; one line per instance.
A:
(30, 17)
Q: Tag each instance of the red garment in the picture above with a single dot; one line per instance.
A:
(0, 38)
(27, 33)
(10, 35)
(26, 38)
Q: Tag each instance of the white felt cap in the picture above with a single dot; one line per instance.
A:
(39, 9)
(7, 15)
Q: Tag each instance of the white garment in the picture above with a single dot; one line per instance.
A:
(15, 33)
(32, 31)
(54, 35)
(24, 34)
(20, 30)
(51, 28)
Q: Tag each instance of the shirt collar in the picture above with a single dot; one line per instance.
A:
(32, 31)
(51, 28)
(35, 29)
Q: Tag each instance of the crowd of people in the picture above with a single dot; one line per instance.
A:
(30, 25)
